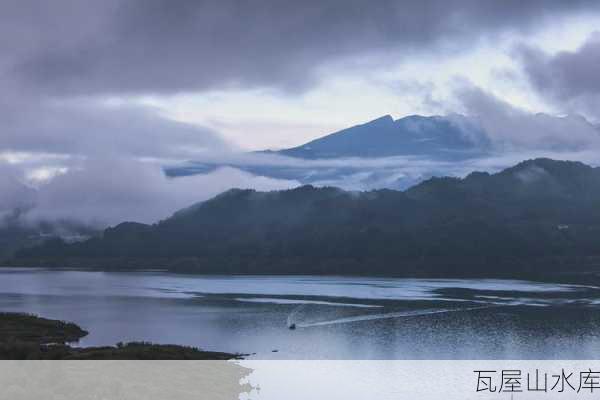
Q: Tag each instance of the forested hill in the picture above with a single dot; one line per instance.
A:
(539, 216)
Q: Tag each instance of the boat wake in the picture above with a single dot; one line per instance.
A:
(371, 317)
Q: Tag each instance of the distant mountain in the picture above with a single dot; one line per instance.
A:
(538, 217)
(452, 137)
(383, 153)
(449, 138)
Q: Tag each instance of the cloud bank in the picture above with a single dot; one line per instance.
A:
(512, 129)
(101, 192)
(568, 78)
(161, 46)
(67, 151)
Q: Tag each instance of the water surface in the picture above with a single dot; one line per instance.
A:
(335, 317)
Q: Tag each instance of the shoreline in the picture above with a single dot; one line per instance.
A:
(30, 337)
(575, 277)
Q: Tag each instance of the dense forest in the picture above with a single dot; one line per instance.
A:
(537, 217)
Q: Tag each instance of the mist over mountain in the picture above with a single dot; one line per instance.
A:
(17, 232)
(538, 217)
(451, 138)
(382, 153)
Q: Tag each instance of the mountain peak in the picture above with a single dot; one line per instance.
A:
(383, 119)
(416, 135)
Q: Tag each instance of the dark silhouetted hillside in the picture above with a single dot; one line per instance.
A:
(537, 217)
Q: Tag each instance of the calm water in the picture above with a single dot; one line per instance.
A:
(335, 318)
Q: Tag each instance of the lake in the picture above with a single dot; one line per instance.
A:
(334, 317)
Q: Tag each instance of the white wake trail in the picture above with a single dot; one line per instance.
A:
(399, 314)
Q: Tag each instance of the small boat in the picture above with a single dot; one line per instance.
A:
(292, 326)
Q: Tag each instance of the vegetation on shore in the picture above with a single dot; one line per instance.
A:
(539, 217)
(28, 337)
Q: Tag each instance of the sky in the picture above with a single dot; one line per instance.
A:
(98, 96)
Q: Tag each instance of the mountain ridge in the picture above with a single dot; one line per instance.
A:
(353, 157)
(538, 217)
(451, 136)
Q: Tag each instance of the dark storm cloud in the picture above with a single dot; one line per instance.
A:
(569, 78)
(34, 120)
(169, 46)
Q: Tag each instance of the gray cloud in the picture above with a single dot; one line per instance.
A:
(103, 163)
(568, 78)
(59, 58)
(135, 192)
(15, 195)
(513, 129)
(105, 191)
(165, 46)
(83, 129)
